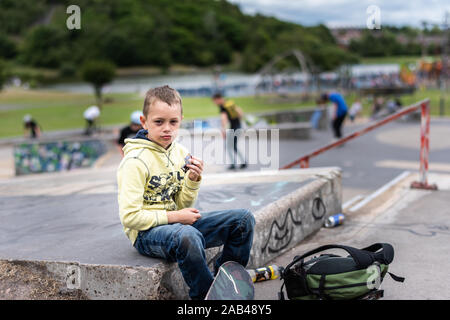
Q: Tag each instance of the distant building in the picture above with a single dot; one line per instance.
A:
(344, 35)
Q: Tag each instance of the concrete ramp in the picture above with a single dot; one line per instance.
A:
(64, 227)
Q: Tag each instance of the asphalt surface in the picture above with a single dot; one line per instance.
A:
(414, 222)
(368, 162)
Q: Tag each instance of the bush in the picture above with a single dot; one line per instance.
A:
(67, 70)
(8, 48)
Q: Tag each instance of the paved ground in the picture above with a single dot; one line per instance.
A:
(368, 163)
(414, 222)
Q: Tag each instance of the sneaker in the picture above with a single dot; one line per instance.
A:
(232, 167)
(243, 166)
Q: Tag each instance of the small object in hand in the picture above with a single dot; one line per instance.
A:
(186, 162)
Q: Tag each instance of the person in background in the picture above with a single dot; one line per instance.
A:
(31, 127)
(339, 112)
(355, 110)
(398, 103)
(90, 115)
(377, 107)
(230, 114)
(130, 131)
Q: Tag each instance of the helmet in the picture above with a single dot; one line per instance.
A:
(27, 118)
(136, 117)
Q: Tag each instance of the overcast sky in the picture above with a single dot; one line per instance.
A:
(336, 13)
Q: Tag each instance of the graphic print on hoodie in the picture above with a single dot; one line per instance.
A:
(150, 183)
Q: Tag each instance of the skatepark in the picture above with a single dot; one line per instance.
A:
(62, 238)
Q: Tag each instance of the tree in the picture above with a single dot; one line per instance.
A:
(2, 74)
(45, 46)
(98, 74)
(8, 48)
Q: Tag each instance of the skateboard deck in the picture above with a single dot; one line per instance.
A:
(232, 282)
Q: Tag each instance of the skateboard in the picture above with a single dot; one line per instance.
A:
(232, 282)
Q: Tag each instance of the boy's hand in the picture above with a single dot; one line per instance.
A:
(196, 168)
(183, 216)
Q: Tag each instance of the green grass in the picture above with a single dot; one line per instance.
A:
(60, 111)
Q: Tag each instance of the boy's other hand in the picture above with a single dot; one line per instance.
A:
(183, 216)
(195, 168)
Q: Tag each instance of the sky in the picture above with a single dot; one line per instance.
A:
(349, 13)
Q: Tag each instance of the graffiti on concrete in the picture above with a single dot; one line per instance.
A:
(318, 209)
(56, 156)
(280, 236)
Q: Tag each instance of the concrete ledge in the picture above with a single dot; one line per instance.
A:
(296, 115)
(80, 281)
(288, 206)
(291, 130)
(281, 225)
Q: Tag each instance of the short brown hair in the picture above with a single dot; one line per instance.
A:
(165, 94)
(217, 95)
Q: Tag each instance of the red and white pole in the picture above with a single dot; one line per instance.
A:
(424, 149)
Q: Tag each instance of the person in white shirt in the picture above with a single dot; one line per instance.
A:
(355, 109)
(90, 115)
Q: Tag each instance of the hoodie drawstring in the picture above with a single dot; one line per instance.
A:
(168, 159)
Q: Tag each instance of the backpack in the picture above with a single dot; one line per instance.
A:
(332, 277)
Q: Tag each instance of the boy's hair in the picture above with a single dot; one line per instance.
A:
(165, 94)
(217, 95)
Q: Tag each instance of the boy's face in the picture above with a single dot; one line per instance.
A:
(162, 122)
(219, 101)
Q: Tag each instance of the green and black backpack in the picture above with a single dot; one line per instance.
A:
(332, 277)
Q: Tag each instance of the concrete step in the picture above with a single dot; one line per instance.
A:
(65, 227)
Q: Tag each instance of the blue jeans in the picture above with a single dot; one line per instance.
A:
(186, 245)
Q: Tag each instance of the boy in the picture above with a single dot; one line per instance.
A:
(156, 198)
(230, 112)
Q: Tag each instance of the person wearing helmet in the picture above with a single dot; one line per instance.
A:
(90, 115)
(31, 127)
(130, 130)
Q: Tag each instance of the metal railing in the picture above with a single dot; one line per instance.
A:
(424, 105)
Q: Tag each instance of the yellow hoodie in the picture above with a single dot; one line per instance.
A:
(151, 182)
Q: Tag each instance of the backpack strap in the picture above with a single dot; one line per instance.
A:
(281, 293)
(362, 258)
(385, 256)
(396, 278)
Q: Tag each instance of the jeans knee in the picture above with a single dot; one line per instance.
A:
(247, 219)
(190, 239)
